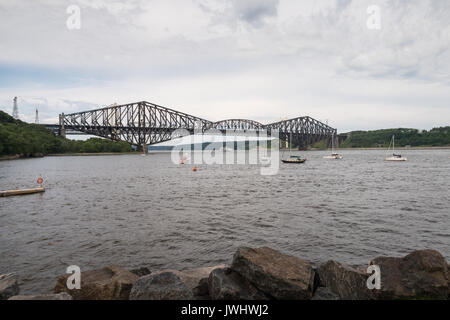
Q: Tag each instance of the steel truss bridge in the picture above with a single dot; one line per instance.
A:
(144, 123)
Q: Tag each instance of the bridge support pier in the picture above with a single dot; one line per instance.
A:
(62, 129)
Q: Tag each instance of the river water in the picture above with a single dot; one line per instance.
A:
(138, 211)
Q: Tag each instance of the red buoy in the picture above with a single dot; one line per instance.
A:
(194, 169)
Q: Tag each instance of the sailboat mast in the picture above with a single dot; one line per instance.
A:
(290, 142)
(332, 143)
(393, 143)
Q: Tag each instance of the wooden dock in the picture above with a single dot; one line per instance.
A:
(9, 193)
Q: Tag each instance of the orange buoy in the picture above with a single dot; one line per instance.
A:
(194, 169)
(40, 181)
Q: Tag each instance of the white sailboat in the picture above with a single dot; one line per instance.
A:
(395, 157)
(333, 155)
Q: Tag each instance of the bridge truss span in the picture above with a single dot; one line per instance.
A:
(137, 123)
(303, 131)
(144, 123)
(237, 125)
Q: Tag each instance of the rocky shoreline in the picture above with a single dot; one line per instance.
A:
(258, 274)
(21, 156)
(41, 155)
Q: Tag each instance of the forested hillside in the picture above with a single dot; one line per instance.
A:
(17, 137)
(403, 137)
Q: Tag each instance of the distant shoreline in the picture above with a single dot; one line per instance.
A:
(397, 148)
(90, 154)
(16, 157)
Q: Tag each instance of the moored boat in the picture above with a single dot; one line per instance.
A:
(395, 157)
(294, 159)
(334, 155)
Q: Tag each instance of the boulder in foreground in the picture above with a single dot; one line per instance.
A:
(109, 283)
(161, 286)
(347, 282)
(422, 274)
(9, 285)
(195, 279)
(226, 284)
(276, 274)
(174, 285)
(140, 272)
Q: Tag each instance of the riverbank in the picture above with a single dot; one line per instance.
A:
(86, 154)
(21, 156)
(13, 157)
(18, 156)
(25, 139)
(259, 274)
(397, 148)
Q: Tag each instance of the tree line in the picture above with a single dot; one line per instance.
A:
(436, 137)
(18, 137)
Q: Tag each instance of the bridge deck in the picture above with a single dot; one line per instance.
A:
(144, 123)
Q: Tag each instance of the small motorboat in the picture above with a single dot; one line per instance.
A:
(396, 157)
(333, 156)
(294, 159)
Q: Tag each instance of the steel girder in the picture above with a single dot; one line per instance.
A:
(145, 123)
(137, 123)
(237, 124)
(304, 131)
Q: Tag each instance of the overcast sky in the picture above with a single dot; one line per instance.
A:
(257, 59)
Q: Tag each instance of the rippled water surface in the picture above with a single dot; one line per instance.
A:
(146, 211)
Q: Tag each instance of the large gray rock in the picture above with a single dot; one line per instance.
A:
(9, 285)
(347, 282)
(226, 284)
(161, 286)
(422, 274)
(279, 275)
(195, 280)
(201, 291)
(109, 283)
(142, 271)
(324, 293)
(52, 296)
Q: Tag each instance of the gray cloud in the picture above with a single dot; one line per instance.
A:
(254, 11)
(341, 4)
(218, 59)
